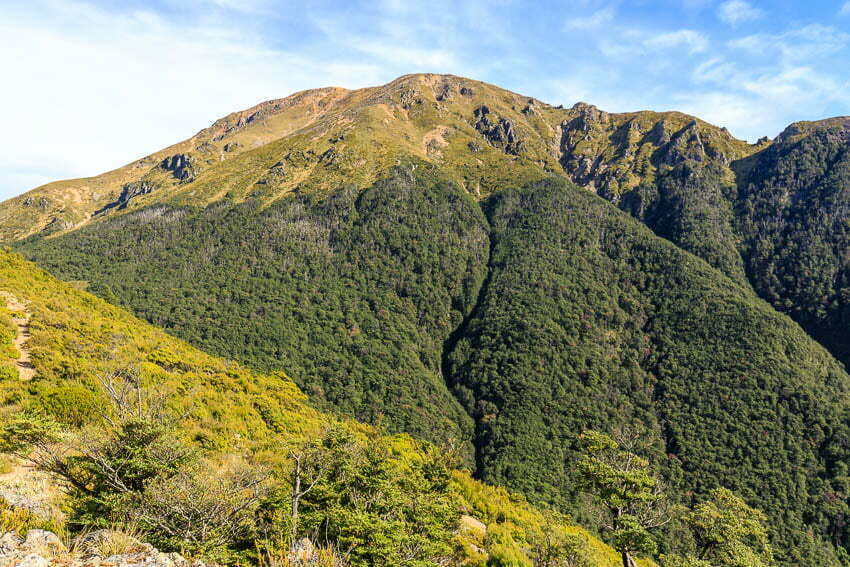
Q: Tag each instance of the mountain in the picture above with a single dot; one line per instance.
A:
(229, 413)
(429, 256)
(686, 179)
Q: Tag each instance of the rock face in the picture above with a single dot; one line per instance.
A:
(499, 133)
(128, 191)
(180, 166)
(613, 154)
(41, 548)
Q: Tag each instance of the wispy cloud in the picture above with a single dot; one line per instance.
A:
(734, 12)
(592, 21)
(693, 41)
(804, 43)
(845, 9)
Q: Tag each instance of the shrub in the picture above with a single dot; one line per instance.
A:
(8, 372)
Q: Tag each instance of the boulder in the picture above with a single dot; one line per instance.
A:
(31, 560)
(43, 542)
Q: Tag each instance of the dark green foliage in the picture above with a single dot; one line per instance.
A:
(585, 319)
(794, 217)
(352, 294)
(387, 507)
(588, 320)
(690, 205)
(785, 223)
(632, 498)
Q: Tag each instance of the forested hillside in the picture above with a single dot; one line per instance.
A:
(553, 313)
(444, 258)
(794, 219)
(203, 462)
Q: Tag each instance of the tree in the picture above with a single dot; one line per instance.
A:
(552, 546)
(203, 508)
(383, 501)
(632, 499)
(729, 533)
(105, 464)
(311, 460)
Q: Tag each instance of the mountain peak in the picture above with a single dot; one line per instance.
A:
(480, 135)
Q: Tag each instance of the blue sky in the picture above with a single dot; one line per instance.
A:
(89, 86)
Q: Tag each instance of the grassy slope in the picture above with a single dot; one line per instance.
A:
(316, 139)
(76, 336)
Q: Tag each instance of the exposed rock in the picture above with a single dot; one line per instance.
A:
(230, 146)
(500, 134)
(41, 202)
(530, 108)
(180, 166)
(30, 560)
(466, 91)
(128, 192)
(409, 98)
(9, 542)
(44, 549)
(474, 147)
(275, 175)
(473, 524)
(445, 93)
(303, 552)
(43, 542)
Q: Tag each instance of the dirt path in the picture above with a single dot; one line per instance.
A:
(25, 368)
(25, 487)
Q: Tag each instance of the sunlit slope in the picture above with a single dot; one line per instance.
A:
(76, 337)
(482, 136)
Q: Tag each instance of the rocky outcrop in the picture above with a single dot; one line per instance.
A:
(40, 202)
(612, 154)
(128, 192)
(499, 132)
(42, 548)
(180, 166)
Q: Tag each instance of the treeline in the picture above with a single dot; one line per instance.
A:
(405, 305)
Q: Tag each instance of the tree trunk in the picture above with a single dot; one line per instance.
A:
(627, 559)
(296, 496)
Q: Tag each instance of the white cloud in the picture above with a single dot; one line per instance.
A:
(734, 12)
(96, 89)
(845, 9)
(805, 43)
(693, 41)
(593, 21)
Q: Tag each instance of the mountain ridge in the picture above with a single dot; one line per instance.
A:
(67, 204)
(457, 261)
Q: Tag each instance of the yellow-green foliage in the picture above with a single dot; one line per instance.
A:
(514, 525)
(21, 520)
(8, 332)
(76, 337)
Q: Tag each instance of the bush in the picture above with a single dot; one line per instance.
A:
(8, 372)
(21, 520)
(203, 508)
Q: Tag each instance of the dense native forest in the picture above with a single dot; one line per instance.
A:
(511, 326)
(150, 437)
(782, 221)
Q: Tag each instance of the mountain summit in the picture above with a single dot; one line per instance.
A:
(480, 135)
(472, 266)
